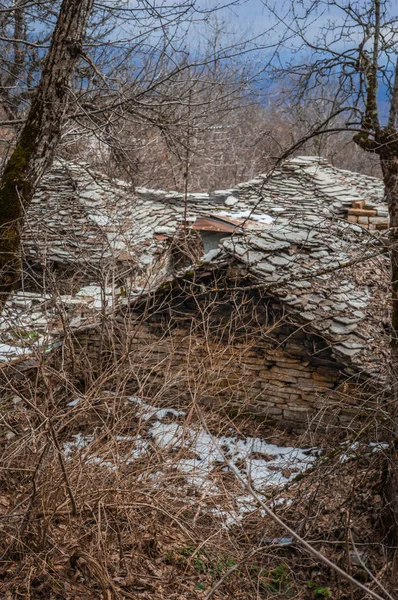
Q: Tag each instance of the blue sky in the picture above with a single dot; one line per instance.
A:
(250, 15)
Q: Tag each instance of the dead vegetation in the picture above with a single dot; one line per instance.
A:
(97, 519)
(124, 474)
(108, 491)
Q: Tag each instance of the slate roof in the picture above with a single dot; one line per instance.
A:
(329, 274)
(310, 184)
(78, 217)
(81, 216)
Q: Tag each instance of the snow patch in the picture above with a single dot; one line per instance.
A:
(74, 402)
(205, 457)
(247, 214)
(7, 351)
(98, 295)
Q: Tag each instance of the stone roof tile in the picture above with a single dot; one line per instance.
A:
(318, 265)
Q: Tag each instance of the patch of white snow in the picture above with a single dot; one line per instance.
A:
(247, 214)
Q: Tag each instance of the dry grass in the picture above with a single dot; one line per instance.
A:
(74, 526)
(105, 521)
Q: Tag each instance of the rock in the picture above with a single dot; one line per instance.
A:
(348, 352)
(91, 195)
(339, 306)
(211, 255)
(231, 201)
(269, 244)
(308, 316)
(294, 237)
(342, 330)
(345, 320)
(266, 267)
(253, 257)
(356, 304)
(352, 345)
(302, 284)
(279, 261)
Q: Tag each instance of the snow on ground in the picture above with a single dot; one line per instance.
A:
(203, 456)
(8, 352)
(31, 320)
(355, 448)
(23, 343)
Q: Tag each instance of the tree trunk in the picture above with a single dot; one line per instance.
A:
(39, 137)
(390, 491)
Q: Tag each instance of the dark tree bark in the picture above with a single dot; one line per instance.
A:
(384, 142)
(39, 137)
(390, 489)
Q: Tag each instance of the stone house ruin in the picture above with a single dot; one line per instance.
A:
(266, 298)
(85, 222)
(280, 323)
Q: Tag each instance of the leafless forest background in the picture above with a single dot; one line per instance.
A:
(167, 119)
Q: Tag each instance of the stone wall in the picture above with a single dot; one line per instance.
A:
(270, 377)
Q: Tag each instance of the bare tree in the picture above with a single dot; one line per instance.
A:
(39, 136)
(352, 48)
(93, 78)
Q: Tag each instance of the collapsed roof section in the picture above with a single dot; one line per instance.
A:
(331, 277)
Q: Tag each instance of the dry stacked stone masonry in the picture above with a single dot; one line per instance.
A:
(84, 219)
(284, 234)
(280, 373)
(283, 323)
(283, 375)
(370, 215)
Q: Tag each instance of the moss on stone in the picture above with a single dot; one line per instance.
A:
(16, 188)
(16, 191)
